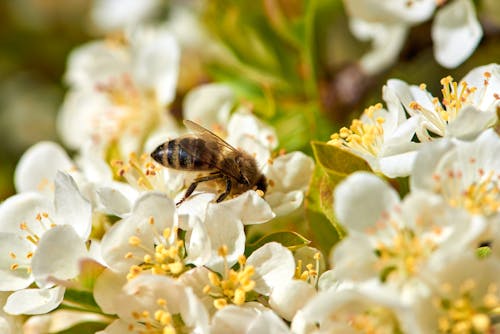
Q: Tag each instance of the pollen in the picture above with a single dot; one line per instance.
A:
(455, 96)
(233, 286)
(464, 309)
(310, 272)
(401, 256)
(161, 321)
(166, 257)
(373, 319)
(481, 196)
(364, 136)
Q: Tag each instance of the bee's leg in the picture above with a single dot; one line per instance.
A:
(226, 192)
(193, 185)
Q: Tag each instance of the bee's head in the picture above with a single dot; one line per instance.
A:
(261, 183)
(159, 154)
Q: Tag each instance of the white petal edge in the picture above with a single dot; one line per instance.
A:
(274, 264)
(456, 32)
(37, 168)
(365, 190)
(58, 254)
(34, 301)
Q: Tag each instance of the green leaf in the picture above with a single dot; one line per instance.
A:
(83, 299)
(289, 239)
(333, 165)
(84, 328)
(320, 199)
(336, 162)
(324, 235)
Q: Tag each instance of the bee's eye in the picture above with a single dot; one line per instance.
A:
(244, 180)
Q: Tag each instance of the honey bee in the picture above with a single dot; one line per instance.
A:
(204, 151)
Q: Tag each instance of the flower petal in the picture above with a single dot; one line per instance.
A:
(14, 250)
(71, 207)
(155, 61)
(209, 105)
(95, 62)
(273, 264)
(485, 97)
(111, 15)
(391, 11)
(250, 208)
(289, 172)
(244, 124)
(456, 32)
(387, 40)
(364, 190)
(37, 168)
(287, 298)
(58, 254)
(107, 286)
(224, 229)
(24, 208)
(34, 301)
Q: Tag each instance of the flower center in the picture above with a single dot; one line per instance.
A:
(401, 255)
(233, 286)
(482, 196)
(374, 320)
(46, 223)
(455, 98)
(310, 273)
(164, 258)
(132, 110)
(466, 312)
(138, 171)
(161, 322)
(364, 137)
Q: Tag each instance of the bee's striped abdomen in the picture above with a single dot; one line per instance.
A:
(185, 154)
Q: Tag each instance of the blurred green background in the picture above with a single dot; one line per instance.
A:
(36, 37)
(293, 60)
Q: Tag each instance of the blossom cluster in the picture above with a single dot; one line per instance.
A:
(428, 262)
(106, 234)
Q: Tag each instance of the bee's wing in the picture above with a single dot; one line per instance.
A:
(207, 134)
(220, 148)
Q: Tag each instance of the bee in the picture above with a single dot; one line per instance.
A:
(204, 151)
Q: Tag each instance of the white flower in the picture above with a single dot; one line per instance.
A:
(9, 324)
(248, 320)
(381, 137)
(352, 311)
(209, 105)
(455, 30)
(383, 53)
(290, 296)
(112, 15)
(41, 240)
(38, 166)
(266, 268)
(467, 107)
(398, 244)
(119, 90)
(466, 296)
(153, 302)
(146, 240)
(466, 175)
(59, 321)
(287, 175)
